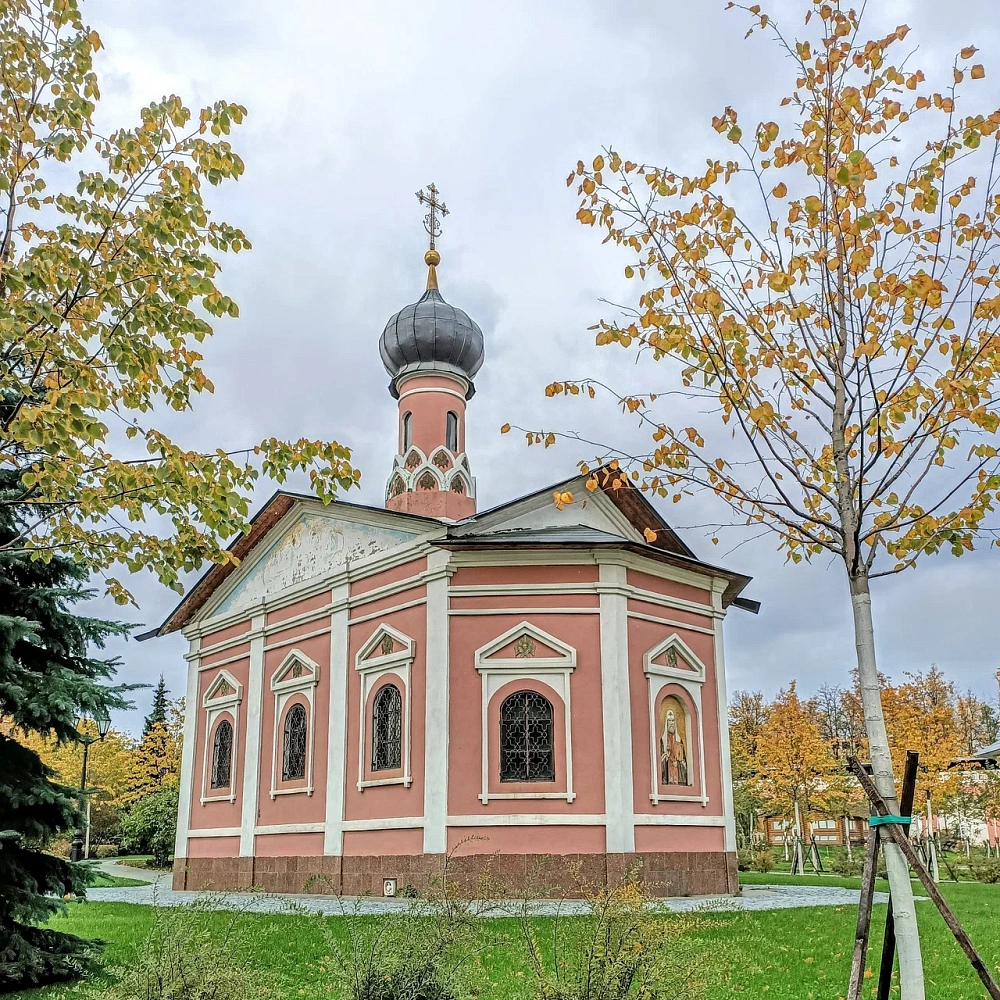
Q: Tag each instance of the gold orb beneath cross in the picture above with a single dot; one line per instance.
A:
(432, 258)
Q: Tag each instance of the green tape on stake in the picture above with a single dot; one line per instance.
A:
(885, 820)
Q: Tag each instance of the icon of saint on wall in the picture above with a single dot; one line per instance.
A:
(674, 756)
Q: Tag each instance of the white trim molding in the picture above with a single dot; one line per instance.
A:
(436, 699)
(690, 679)
(391, 660)
(187, 751)
(552, 671)
(616, 713)
(297, 674)
(251, 759)
(722, 697)
(223, 697)
(336, 754)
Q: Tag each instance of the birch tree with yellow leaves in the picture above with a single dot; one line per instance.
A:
(828, 287)
(109, 284)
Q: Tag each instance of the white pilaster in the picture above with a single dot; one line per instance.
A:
(192, 709)
(728, 810)
(436, 713)
(616, 711)
(254, 696)
(336, 754)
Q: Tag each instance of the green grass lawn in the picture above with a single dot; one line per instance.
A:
(783, 954)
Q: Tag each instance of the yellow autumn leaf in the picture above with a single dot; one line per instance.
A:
(650, 535)
(780, 190)
(505, 429)
(978, 71)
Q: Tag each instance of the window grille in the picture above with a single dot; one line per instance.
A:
(222, 755)
(293, 759)
(526, 752)
(387, 719)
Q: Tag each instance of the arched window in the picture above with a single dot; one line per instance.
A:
(293, 758)
(451, 432)
(407, 431)
(526, 750)
(387, 729)
(222, 755)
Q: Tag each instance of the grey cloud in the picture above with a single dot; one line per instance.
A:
(355, 106)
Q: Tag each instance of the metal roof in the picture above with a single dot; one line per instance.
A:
(431, 330)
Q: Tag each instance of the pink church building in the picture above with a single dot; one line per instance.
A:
(374, 686)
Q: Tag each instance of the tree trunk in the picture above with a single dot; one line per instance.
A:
(911, 973)
(931, 846)
(847, 838)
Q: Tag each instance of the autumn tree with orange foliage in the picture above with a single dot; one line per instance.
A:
(796, 771)
(829, 287)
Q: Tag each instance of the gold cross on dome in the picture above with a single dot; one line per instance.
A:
(431, 221)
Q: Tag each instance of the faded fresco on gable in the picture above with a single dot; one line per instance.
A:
(314, 546)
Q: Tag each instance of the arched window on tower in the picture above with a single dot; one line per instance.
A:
(451, 432)
(293, 756)
(407, 432)
(222, 755)
(387, 729)
(526, 747)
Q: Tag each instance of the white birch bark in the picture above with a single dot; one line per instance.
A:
(911, 972)
(847, 838)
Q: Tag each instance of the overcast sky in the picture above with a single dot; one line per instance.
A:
(352, 108)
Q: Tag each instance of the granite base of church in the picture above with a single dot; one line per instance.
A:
(665, 874)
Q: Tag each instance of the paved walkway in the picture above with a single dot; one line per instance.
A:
(159, 893)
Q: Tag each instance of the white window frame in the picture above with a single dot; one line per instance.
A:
(658, 675)
(372, 669)
(284, 691)
(551, 671)
(215, 706)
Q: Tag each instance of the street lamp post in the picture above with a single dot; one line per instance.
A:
(103, 721)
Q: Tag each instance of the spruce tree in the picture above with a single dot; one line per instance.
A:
(47, 677)
(159, 713)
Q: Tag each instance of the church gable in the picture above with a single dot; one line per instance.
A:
(312, 545)
(224, 690)
(525, 645)
(672, 657)
(539, 511)
(295, 670)
(384, 642)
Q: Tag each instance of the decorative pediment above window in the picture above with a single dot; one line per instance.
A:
(385, 647)
(526, 647)
(295, 671)
(223, 692)
(673, 657)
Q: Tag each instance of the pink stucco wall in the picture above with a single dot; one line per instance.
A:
(386, 800)
(220, 812)
(570, 839)
(469, 633)
(642, 636)
(430, 409)
(300, 807)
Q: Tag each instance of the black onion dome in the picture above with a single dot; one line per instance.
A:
(433, 333)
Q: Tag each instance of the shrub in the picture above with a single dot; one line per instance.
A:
(627, 945)
(841, 864)
(421, 953)
(985, 870)
(151, 826)
(106, 851)
(756, 859)
(188, 956)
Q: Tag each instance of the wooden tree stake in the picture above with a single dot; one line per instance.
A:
(899, 838)
(864, 916)
(889, 941)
